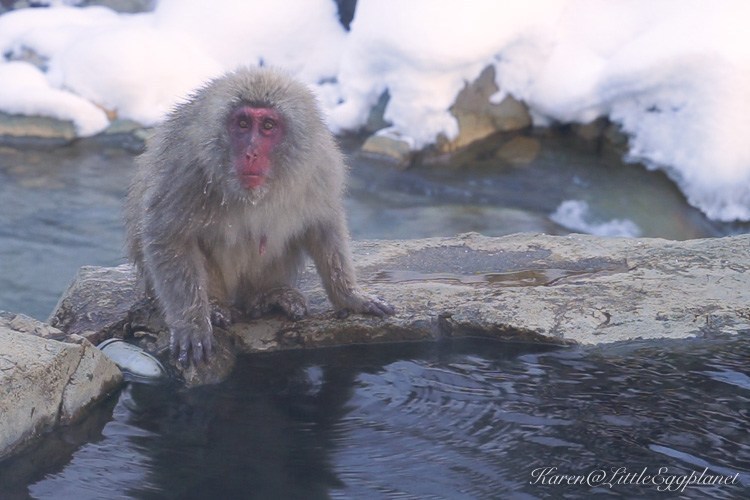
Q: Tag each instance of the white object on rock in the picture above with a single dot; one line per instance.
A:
(132, 359)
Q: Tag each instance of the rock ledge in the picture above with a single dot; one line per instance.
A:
(524, 287)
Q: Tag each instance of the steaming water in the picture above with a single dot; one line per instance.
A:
(451, 420)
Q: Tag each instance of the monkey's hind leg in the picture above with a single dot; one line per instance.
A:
(222, 315)
(288, 300)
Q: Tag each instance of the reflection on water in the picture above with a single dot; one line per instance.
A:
(470, 419)
(526, 277)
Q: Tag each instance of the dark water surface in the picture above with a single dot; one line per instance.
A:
(469, 419)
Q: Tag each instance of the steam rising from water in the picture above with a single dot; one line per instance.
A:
(576, 216)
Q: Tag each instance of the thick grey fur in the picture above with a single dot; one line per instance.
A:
(195, 233)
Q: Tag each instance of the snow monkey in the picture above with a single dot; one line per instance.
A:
(234, 188)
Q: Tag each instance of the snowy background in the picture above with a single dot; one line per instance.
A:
(675, 74)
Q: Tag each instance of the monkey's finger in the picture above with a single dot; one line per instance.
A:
(378, 308)
(385, 307)
(342, 314)
(177, 349)
(372, 309)
(182, 356)
(198, 354)
(202, 351)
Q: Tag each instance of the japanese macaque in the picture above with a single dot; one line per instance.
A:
(236, 186)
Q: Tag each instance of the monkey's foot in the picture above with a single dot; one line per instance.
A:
(221, 315)
(291, 302)
(365, 304)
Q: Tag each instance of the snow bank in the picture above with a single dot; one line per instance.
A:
(24, 90)
(675, 74)
(140, 65)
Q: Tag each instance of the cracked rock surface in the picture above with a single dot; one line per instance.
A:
(45, 382)
(523, 287)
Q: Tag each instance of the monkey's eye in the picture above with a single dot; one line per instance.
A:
(243, 123)
(268, 124)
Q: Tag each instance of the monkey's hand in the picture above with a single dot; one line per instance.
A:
(191, 343)
(363, 303)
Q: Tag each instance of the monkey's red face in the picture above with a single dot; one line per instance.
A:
(254, 133)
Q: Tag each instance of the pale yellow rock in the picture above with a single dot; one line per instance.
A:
(519, 150)
(388, 148)
(40, 127)
(479, 118)
(44, 382)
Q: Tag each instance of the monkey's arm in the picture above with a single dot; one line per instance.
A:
(177, 269)
(328, 245)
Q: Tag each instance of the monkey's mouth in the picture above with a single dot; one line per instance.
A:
(252, 181)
